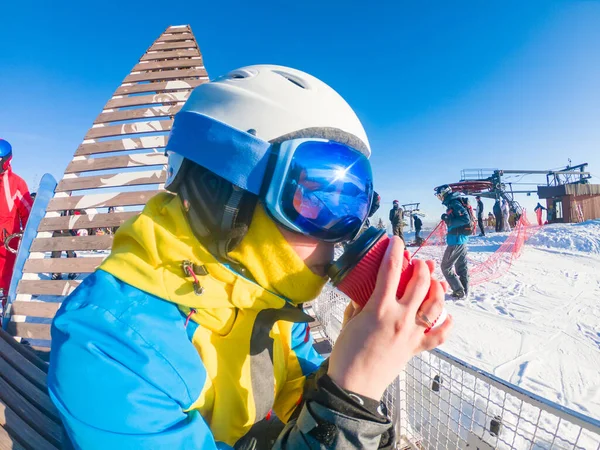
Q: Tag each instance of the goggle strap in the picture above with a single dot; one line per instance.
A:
(234, 155)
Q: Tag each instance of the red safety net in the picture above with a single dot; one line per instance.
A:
(499, 262)
(502, 259)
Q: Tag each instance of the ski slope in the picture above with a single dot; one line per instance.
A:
(538, 325)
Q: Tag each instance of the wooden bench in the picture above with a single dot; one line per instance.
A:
(120, 163)
(28, 418)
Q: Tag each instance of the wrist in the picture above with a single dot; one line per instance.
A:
(357, 385)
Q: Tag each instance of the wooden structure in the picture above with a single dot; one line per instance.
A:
(28, 418)
(120, 163)
(572, 203)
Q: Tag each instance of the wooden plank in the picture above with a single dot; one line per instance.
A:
(15, 354)
(163, 86)
(101, 200)
(117, 162)
(36, 419)
(150, 126)
(178, 29)
(170, 54)
(47, 287)
(172, 45)
(14, 432)
(29, 330)
(152, 99)
(169, 64)
(165, 75)
(103, 242)
(8, 442)
(62, 265)
(119, 145)
(113, 180)
(23, 365)
(175, 37)
(31, 392)
(141, 113)
(34, 309)
(102, 220)
(45, 352)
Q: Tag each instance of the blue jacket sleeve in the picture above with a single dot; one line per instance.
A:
(112, 382)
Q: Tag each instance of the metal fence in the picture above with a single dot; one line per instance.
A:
(441, 402)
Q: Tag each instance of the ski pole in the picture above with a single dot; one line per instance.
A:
(425, 241)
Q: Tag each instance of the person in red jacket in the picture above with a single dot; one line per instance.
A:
(15, 206)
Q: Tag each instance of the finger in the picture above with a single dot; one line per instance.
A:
(432, 307)
(388, 276)
(445, 286)
(431, 265)
(417, 287)
(438, 335)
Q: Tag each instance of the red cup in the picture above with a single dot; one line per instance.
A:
(355, 273)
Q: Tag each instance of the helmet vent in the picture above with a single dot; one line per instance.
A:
(240, 74)
(293, 79)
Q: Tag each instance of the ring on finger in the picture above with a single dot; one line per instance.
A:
(425, 319)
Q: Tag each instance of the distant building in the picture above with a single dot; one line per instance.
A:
(572, 203)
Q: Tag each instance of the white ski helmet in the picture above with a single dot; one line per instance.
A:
(273, 103)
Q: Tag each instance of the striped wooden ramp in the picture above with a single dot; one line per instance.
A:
(120, 163)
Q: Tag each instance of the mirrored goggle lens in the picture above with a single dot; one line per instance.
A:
(328, 190)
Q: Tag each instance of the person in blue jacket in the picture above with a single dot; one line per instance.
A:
(191, 334)
(454, 263)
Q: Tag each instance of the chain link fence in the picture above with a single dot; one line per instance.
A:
(441, 402)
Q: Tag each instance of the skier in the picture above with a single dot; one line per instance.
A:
(480, 215)
(374, 207)
(418, 225)
(491, 220)
(191, 333)
(460, 227)
(396, 218)
(498, 215)
(550, 214)
(505, 215)
(538, 212)
(14, 212)
(70, 253)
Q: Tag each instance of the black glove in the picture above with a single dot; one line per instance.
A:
(445, 217)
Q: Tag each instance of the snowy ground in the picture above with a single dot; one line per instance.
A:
(537, 326)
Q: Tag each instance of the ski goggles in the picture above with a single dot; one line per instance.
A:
(315, 187)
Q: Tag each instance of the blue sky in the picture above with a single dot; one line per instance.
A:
(440, 86)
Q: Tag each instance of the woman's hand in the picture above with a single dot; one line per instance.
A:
(376, 343)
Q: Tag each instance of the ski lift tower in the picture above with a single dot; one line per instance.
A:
(410, 209)
(490, 183)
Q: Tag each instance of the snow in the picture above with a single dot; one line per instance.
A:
(578, 237)
(538, 325)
